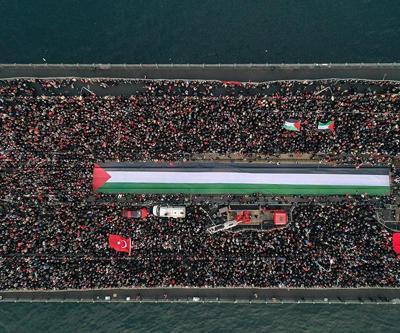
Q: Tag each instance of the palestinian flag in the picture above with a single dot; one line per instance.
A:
(238, 178)
(292, 125)
(119, 244)
(329, 125)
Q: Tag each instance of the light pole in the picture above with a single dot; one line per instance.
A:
(330, 89)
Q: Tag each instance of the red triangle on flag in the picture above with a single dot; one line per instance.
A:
(332, 126)
(100, 176)
(297, 124)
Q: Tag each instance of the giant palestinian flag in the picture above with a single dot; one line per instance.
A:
(238, 178)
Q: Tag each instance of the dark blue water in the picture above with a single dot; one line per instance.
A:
(194, 31)
(198, 318)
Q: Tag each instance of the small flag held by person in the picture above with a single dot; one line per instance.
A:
(119, 243)
(232, 83)
(329, 125)
(292, 125)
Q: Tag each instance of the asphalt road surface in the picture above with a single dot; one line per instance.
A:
(242, 72)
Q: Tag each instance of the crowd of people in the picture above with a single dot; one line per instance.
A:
(54, 229)
(335, 245)
(148, 126)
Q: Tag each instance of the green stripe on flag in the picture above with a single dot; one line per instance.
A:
(186, 188)
(325, 126)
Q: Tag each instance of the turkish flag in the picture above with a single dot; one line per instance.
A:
(396, 242)
(119, 243)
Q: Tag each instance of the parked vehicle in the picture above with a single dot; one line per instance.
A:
(141, 213)
(175, 212)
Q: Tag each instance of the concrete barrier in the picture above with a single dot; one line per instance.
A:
(230, 295)
(229, 72)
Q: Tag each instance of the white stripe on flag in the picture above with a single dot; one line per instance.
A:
(246, 178)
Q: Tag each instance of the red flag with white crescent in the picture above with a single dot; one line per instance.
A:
(396, 242)
(119, 243)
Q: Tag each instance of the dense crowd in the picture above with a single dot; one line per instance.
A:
(337, 244)
(151, 126)
(54, 229)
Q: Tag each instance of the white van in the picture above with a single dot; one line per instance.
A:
(175, 212)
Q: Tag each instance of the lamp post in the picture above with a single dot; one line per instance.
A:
(330, 89)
